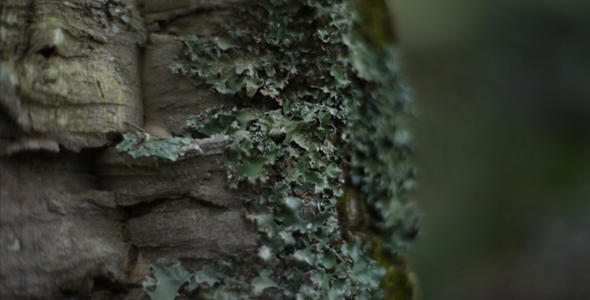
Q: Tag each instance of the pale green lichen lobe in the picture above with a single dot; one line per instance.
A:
(145, 145)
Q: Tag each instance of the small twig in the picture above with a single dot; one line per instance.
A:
(135, 126)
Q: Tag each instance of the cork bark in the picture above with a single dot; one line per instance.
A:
(78, 219)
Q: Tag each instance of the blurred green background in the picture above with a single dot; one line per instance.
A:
(502, 93)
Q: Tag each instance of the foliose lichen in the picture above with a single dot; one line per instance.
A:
(317, 100)
(145, 145)
(380, 143)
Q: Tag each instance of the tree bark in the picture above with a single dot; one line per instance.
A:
(80, 219)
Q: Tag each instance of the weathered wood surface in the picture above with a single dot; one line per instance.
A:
(79, 219)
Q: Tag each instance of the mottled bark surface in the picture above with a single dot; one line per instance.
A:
(79, 219)
(69, 73)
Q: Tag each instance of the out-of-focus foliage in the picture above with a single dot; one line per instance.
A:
(503, 146)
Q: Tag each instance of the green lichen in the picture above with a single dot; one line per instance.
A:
(169, 281)
(145, 145)
(378, 147)
(278, 49)
(379, 144)
(285, 154)
(316, 101)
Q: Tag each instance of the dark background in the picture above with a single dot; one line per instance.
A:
(502, 92)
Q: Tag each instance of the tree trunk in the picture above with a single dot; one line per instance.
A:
(82, 218)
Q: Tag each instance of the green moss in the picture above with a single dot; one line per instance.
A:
(352, 211)
(317, 100)
(376, 26)
(398, 283)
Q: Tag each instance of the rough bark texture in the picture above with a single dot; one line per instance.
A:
(69, 72)
(81, 220)
(77, 218)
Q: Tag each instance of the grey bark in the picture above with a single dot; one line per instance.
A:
(78, 219)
